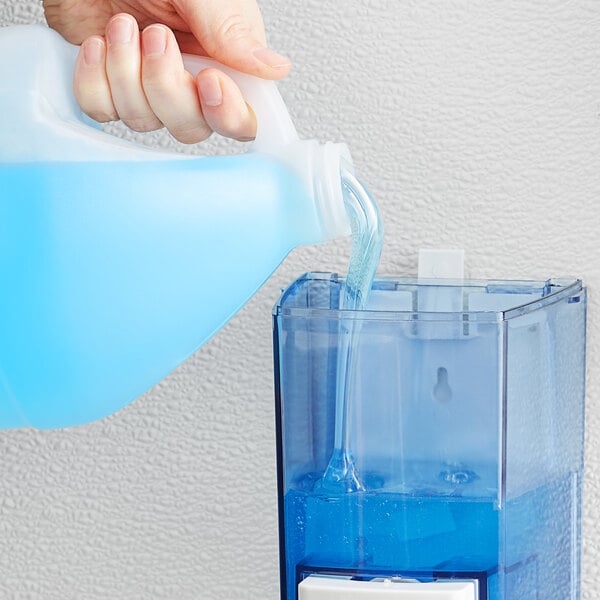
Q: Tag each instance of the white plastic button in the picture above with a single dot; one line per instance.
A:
(337, 588)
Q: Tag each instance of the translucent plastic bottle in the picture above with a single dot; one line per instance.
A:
(118, 261)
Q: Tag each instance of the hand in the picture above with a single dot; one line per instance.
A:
(140, 79)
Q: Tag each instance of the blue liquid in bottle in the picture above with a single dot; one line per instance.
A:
(112, 277)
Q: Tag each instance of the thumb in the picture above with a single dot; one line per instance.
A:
(232, 32)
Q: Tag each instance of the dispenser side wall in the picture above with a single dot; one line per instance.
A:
(543, 463)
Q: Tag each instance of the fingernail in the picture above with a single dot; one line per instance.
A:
(93, 51)
(154, 40)
(120, 31)
(211, 93)
(270, 58)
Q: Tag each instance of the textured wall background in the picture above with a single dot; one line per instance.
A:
(476, 125)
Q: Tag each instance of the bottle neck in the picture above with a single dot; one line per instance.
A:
(319, 167)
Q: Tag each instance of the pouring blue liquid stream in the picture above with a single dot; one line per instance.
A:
(367, 240)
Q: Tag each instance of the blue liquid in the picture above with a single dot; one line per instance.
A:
(114, 273)
(387, 531)
(367, 241)
(382, 532)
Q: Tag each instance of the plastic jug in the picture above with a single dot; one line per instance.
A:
(118, 261)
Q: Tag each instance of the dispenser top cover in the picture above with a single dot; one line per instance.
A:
(318, 294)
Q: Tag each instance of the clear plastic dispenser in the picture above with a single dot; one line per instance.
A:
(463, 424)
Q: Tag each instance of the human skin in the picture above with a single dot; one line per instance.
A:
(138, 76)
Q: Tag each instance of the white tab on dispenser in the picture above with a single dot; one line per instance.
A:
(441, 264)
(333, 588)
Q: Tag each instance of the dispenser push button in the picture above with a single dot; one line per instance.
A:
(335, 588)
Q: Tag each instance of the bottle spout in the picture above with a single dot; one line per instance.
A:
(319, 167)
(334, 160)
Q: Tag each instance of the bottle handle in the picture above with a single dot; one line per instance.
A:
(36, 92)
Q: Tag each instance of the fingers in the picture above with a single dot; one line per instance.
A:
(123, 60)
(223, 106)
(141, 80)
(191, 110)
(90, 84)
(232, 32)
(107, 81)
(170, 89)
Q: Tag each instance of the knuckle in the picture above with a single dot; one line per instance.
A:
(245, 138)
(142, 124)
(102, 116)
(191, 135)
(95, 102)
(123, 75)
(238, 127)
(232, 28)
(122, 71)
(158, 82)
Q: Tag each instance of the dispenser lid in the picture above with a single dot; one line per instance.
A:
(317, 295)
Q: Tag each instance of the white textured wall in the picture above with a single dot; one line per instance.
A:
(476, 125)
